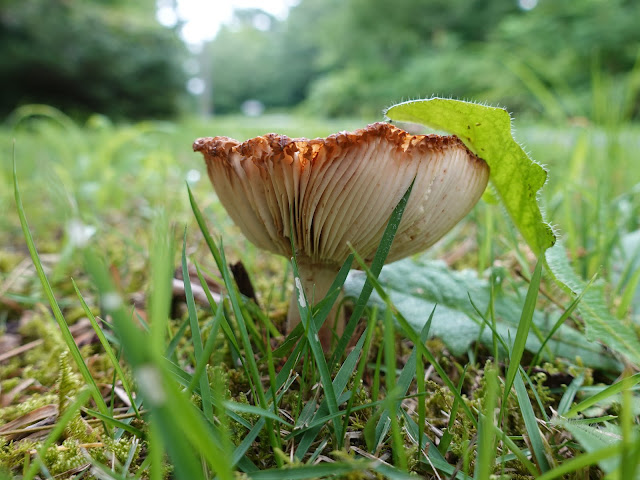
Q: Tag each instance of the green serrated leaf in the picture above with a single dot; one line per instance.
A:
(601, 324)
(487, 132)
(593, 439)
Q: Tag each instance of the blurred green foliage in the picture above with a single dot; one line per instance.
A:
(554, 60)
(542, 58)
(110, 57)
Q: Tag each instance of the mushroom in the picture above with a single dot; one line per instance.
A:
(342, 189)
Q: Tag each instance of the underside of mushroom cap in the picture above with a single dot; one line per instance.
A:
(343, 188)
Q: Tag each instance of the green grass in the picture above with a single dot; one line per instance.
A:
(170, 385)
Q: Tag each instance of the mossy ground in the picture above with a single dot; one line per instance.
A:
(145, 171)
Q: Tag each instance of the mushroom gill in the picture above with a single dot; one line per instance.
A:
(343, 188)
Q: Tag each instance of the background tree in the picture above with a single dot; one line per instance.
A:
(110, 57)
(357, 56)
(259, 57)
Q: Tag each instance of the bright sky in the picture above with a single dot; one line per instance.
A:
(203, 17)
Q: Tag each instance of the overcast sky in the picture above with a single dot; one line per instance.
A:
(203, 17)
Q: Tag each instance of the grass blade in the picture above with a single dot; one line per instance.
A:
(363, 353)
(486, 436)
(582, 461)
(316, 348)
(432, 456)
(107, 348)
(522, 333)
(57, 313)
(116, 423)
(570, 394)
(196, 337)
(179, 426)
(519, 454)
(161, 260)
(322, 309)
(208, 349)
(447, 436)
(617, 387)
(320, 470)
(376, 268)
(404, 380)
(414, 337)
(393, 404)
(531, 424)
(339, 384)
(253, 372)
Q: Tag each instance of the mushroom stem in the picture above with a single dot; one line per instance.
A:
(316, 279)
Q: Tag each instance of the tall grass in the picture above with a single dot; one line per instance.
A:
(209, 389)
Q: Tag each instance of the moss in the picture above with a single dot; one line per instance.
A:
(9, 384)
(73, 314)
(59, 460)
(101, 367)
(120, 449)
(11, 369)
(358, 419)
(9, 260)
(13, 454)
(33, 402)
(68, 382)
(41, 363)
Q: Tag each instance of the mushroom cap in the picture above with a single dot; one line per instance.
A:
(343, 188)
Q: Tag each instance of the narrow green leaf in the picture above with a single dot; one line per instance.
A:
(184, 433)
(116, 423)
(522, 333)
(570, 394)
(447, 435)
(319, 470)
(252, 409)
(57, 313)
(520, 455)
(253, 372)
(563, 318)
(413, 336)
(390, 472)
(179, 420)
(376, 267)
(175, 340)
(531, 423)
(433, 456)
(628, 462)
(364, 354)
(196, 337)
(316, 348)
(339, 384)
(159, 303)
(627, 297)
(107, 347)
(404, 379)
(617, 387)
(486, 436)
(208, 349)
(322, 309)
(392, 402)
